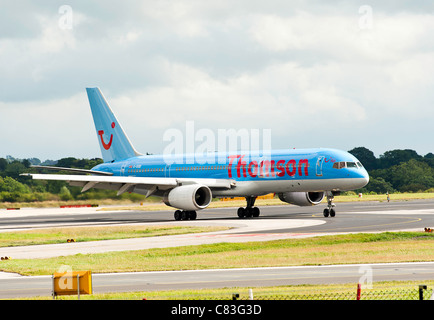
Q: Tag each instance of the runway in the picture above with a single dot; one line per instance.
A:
(275, 222)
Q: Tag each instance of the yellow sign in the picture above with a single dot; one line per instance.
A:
(267, 196)
(70, 283)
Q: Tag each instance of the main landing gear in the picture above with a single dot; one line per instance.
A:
(185, 215)
(249, 211)
(330, 211)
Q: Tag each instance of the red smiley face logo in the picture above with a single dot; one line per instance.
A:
(106, 145)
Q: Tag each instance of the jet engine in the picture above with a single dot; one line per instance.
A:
(302, 199)
(189, 197)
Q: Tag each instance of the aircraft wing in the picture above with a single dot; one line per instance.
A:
(124, 184)
(102, 173)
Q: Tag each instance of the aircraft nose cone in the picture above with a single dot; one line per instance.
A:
(363, 179)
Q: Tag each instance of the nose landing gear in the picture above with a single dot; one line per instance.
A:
(330, 211)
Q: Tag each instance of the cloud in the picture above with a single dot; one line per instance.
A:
(307, 70)
(340, 36)
(48, 129)
(294, 96)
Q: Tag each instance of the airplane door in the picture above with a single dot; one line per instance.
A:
(167, 171)
(123, 169)
(319, 164)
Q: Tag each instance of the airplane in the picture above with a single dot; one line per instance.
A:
(302, 177)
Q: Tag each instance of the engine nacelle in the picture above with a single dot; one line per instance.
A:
(302, 199)
(189, 197)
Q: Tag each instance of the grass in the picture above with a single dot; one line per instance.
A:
(383, 197)
(58, 203)
(81, 234)
(337, 249)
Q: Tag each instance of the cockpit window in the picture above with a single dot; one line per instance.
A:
(339, 165)
(351, 165)
(343, 164)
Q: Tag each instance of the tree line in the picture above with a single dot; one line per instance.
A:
(17, 188)
(397, 170)
(394, 171)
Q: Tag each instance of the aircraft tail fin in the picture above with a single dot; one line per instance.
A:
(112, 139)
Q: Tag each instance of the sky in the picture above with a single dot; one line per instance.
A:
(332, 74)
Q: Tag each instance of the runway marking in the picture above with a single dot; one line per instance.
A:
(413, 220)
(404, 212)
(252, 235)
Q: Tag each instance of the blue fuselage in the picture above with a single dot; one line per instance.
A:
(288, 170)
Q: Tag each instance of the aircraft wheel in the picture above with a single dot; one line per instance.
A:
(241, 212)
(332, 213)
(192, 215)
(256, 212)
(326, 212)
(178, 215)
(184, 215)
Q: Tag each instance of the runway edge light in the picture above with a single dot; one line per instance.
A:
(72, 283)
